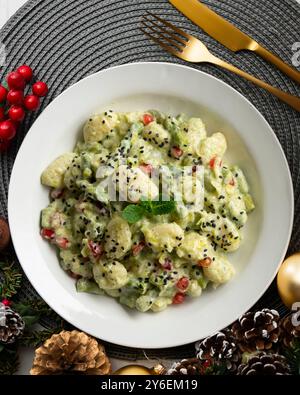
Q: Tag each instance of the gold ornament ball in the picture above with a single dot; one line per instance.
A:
(288, 280)
(133, 370)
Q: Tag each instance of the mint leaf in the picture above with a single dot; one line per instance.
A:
(133, 213)
(158, 207)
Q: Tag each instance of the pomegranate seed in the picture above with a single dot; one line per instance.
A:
(183, 283)
(138, 248)
(15, 80)
(25, 71)
(212, 162)
(147, 118)
(167, 265)
(47, 234)
(62, 242)
(146, 168)
(16, 113)
(176, 152)
(3, 93)
(96, 249)
(56, 193)
(206, 262)
(6, 302)
(31, 102)
(40, 88)
(7, 130)
(178, 298)
(15, 97)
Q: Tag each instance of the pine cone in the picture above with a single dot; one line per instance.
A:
(265, 364)
(257, 331)
(4, 234)
(11, 325)
(191, 366)
(289, 332)
(70, 353)
(221, 349)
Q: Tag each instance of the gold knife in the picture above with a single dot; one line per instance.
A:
(229, 35)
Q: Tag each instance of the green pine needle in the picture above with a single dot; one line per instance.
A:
(293, 356)
(9, 361)
(10, 280)
(36, 338)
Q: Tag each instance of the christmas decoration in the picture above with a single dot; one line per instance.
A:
(257, 331)
(221, 348)
(191, 366)
(290, 330)
(288, 280)
(71, 353)
(4, 234)
(11, 325)
(13, 102)
(263, 363)
(11, 280)
(140, 370)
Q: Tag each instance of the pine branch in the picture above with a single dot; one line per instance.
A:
(10, 281)
(293, 356)
(9, 361)
(36, 338)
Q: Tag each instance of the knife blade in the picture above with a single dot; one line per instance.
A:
(227, 34)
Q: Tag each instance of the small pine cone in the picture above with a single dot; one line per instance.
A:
(221, 349)
(289, 330)
(70, 353)
(257, 331)
(265, 364)
(191, 366)
(11, 325)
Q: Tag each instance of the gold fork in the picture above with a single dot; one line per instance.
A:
(189, 48)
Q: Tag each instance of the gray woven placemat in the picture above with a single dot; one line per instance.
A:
(67, 40)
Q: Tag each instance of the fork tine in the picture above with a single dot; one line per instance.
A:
(159, 42)
(181, 40)
(171, 26)
(172, 42)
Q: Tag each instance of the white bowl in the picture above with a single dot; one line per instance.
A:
(252, 145)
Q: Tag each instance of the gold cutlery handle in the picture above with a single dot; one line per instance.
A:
(280, 64)
(293, 101)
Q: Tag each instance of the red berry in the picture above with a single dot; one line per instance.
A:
(6, 302)
(96, 249)
(138, 248)
(176, 152)
(47, 234)
(4, 145)
(16, 113)
(183, 283)
(26, 72)
(7, 130)
(2, 113)
(31, 102)
(147, 118)
(40, 88)
(146, 168)
(3, 93)
(178, 298)
(16, 81)
(15, 97)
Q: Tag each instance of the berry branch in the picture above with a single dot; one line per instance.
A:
(13, 103)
